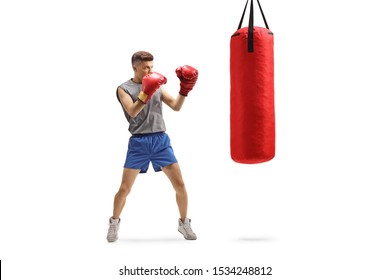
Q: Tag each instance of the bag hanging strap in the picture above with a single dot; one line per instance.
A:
(250, 25)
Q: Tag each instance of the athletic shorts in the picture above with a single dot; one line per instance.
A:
(146, 148)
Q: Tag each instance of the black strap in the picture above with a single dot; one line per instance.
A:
(243, 14)
(262, 14)
(250, 29)
(250, 25)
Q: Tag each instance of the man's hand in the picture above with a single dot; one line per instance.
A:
(188, 76)
(150, 84)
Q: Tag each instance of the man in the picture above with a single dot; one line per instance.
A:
(141, 98)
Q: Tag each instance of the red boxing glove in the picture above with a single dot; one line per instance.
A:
(188, 76)
(150, 84)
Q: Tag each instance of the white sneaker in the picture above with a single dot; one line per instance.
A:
(112, 234)
(186, 230)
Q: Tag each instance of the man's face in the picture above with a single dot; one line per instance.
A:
(143, 68)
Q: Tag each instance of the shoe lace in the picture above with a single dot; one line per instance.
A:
(112, 229)
(188, 229)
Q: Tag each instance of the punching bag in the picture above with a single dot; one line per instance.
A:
(252, 113)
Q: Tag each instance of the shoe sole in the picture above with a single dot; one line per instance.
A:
(111, 241)
(185, 237)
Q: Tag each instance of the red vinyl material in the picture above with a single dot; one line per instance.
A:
(252, 113)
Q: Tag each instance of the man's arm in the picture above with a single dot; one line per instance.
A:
(174, 103)
(150, 83)
(188, 76)
(132, 108)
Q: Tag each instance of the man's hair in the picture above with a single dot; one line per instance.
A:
(141, 56)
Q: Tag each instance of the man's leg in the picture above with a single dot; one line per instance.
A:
(173, 172)
(128, 178)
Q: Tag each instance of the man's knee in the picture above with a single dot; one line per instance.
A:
(128, 179)
(124, 189)
(180, 187)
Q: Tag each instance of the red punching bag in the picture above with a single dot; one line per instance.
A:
(252, 113)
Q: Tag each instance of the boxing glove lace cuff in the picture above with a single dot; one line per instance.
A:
(143, 97)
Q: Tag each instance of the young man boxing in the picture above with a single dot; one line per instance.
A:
(141, 98)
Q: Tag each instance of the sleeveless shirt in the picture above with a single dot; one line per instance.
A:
(150, 119)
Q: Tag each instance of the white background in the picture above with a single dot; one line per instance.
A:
(318, 210)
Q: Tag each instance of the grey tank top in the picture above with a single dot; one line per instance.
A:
(150, 119)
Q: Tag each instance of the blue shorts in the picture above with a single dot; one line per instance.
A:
(153, 147)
